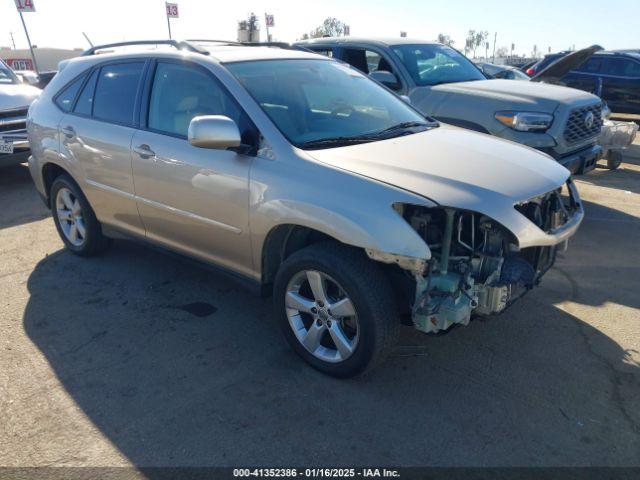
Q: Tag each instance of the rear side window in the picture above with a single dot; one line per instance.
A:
(115, 93)
(593, 65)
(327, 52)
(85, 101)
(67, 95)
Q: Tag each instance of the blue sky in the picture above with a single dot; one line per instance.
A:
(557, 24)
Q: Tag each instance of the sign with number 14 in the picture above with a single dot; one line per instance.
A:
(25, 5)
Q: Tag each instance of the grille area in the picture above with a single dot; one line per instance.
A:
(13, 121)
(578, 129)
(551, 210)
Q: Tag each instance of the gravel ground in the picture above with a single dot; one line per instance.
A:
(105, 362)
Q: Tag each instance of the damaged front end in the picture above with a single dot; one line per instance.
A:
(476, 265)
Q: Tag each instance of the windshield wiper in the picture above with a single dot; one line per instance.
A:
(402, 126)
(335, 141)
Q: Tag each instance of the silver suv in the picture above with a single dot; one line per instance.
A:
(304, 176)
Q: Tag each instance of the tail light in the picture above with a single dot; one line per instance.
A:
(530, 71)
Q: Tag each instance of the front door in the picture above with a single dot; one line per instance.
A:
(191, 199)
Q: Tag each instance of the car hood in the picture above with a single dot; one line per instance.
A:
(558, 69)
(17, 96)
(457, 168)
(497, 94)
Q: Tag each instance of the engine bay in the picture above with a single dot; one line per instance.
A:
(477, 267)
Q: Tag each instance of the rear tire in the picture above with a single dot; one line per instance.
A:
(363, 327)
(74, 218)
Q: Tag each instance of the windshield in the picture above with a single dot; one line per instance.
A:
(6, 74)
(323, 103)
(433, 64)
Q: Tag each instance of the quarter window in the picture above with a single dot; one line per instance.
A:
(65, 98)
(181, 92)
(116, 91)
(85, 101)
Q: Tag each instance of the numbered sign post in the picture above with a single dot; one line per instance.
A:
(269, 22)
(172, 12)
(27, 6)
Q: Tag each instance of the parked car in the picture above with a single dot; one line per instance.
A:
(307, 178)
(505, 72)
(613, 76)
(544, 62)
(15, 98)
(441, 82)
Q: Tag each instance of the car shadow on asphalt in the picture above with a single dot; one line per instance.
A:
(18, 197)
(178, 366)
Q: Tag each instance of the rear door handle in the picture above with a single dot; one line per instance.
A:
(68, 131)
(144, 151)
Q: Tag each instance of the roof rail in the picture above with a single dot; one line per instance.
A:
(209, 40)
(173, 43)
(283, 45)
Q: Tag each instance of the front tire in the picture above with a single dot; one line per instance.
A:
(75, 220)
(336, 309)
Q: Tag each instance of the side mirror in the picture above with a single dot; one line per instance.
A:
(405, 99)
(388, 79)
(216, 132)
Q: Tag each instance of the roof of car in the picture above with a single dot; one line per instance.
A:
(382, 42)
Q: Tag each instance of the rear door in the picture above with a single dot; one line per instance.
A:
(191, 199)
(96, 138)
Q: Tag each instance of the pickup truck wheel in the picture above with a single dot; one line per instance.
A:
(336, 309)
(74, 218)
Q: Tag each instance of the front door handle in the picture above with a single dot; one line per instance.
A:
(68, 131)
(144, 151)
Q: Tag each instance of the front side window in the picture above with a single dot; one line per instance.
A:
(115, 96)
(321, 103)
(181, 92)
(367, 61)
(623, 67)
(433, 64)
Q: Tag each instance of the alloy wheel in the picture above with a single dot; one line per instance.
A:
(70, 217)
(322, 316)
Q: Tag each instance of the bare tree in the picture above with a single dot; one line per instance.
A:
(445, 39)
(475, 38)
(502, 52)
(331, 27)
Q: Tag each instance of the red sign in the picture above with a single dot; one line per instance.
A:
(25, 6)
(172, 10)
(20, 63)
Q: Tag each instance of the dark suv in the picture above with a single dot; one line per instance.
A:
(613, 76)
